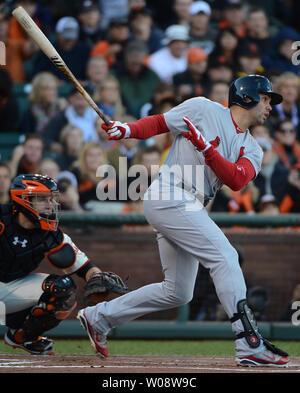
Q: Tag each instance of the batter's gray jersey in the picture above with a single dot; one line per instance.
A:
(214, 121)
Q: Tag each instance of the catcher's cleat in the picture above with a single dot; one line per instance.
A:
(98, 340)
(41, 346)
(264, 358)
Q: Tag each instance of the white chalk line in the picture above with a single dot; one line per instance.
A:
(239, 369)
(131, 363)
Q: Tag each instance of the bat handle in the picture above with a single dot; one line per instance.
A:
(106, 120)
(102, 115)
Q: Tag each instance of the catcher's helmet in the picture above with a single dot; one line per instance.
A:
(245, 90)
(25, 188)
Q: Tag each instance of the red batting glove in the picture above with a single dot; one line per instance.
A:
(116, 130)
(195, 136)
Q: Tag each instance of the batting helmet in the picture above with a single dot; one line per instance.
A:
(245, 90)
(25, 188)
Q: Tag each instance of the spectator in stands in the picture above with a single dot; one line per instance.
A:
(162, 91)
(16, 50)
(249, 60)
(282, 60)
(108, 97)
(49, 167)
(288, 150)
(258, 30)
(243, 201)
(219, 70)
(181, 12)
(128, 149)
(227, 46)
(9, 110)
(112, 9)
(288, 86)
(172, 58)
(234, 17)
(44, 103)
(291, 200)
(218, 92)
(143, 29)
(201, 33)
(263, 180)
(191, 82)
(89, 17)
(137, 81)
(79, 114)
(268, 205)
(149, 158)
(134, 4)
(103, 141)
(91, 157)
(71, 140)
(97, 70)
(69, 195)
(41, 15)
(112, 47)
(74, 52)
(5, 181)
(26, 158)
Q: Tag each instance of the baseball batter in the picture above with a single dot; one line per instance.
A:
(212, 147)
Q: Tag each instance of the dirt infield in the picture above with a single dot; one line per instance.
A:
(130, 364)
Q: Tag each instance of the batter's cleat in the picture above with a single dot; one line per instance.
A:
(40, 346)
(98, 340)
(263, 359)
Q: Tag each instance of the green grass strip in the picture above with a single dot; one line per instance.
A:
(156, 347)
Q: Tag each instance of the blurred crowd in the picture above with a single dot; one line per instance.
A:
(138, 58)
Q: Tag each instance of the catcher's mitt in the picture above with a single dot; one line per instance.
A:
(100, 285)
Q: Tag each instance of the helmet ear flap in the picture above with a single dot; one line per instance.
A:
(247, 99)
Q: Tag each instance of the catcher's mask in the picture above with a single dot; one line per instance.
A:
(27, 191)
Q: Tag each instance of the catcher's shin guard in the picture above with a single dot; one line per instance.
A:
(55, 304)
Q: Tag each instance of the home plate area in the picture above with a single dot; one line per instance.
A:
(130, 364)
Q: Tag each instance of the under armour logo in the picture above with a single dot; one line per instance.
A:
(22, 242)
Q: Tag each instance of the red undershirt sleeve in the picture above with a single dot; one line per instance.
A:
(234, 175)
(148, 126)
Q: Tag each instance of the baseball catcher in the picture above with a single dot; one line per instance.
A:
(37, 302)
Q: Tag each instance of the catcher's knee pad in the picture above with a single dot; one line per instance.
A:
(250, 333)
(54, 305)
(58, 297)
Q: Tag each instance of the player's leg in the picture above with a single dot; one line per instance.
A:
(193, 230)
(179, 270)
(35, 304)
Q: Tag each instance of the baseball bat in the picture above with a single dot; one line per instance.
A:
(45, 45)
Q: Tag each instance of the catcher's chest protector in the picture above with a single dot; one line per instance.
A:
(22, 250)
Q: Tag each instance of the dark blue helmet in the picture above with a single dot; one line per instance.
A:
(245, 90)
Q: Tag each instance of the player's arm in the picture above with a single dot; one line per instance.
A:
(68, 258)
(234, 175)
(142, 129)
